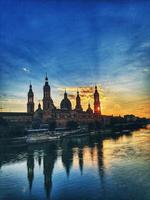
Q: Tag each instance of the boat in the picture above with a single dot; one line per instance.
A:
(39, 130)
(66, 132)
(40, 137)
(44, 135)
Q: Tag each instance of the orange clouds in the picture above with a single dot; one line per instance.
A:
(113, 101)
(86, 94)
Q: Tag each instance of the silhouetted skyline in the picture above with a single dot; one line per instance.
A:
(79, 44)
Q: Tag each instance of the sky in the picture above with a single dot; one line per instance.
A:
(79, 44)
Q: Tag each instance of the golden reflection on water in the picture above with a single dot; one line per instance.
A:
(77, 157)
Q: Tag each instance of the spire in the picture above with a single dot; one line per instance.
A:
(46, 78)
(30, 86)
(30, 103)
(65, 94)
(89, 109)
(95, 87)
(39, 106)
(30, 89)
(89, 106)
(78, 106)
(97, 108)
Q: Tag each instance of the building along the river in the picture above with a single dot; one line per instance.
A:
(49, 113)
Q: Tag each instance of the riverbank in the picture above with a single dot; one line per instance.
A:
(103, 133)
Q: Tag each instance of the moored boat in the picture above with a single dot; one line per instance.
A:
(38, 138)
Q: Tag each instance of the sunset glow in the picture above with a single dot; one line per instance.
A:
(78, 45)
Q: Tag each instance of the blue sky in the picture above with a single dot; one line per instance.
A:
(78, 43)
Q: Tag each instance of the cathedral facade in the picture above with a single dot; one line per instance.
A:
(48, 112)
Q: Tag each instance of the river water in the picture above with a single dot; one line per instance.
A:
(83, 168)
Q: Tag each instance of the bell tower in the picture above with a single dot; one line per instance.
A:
(47, 100)
(30, 104)
(97, 108)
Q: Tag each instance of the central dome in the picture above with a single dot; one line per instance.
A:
(38, 113)
(65, 103)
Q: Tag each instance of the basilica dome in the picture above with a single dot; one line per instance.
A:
(65, 103)
(38, 113)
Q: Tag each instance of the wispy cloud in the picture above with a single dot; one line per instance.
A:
(25, 69)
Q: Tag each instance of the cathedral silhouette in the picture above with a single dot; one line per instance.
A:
(65, 113)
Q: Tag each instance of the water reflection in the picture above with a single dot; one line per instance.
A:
(80, 157)
(49, 157)
(74, 154)
(39, 158)
(67, 156)
(30, 169)
(100, 160)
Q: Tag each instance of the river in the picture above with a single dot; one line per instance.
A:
(83, 168)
